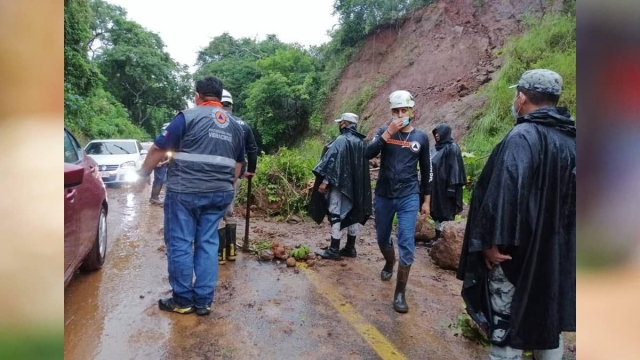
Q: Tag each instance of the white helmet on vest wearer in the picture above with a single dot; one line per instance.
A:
(226, 97)
(401, 99)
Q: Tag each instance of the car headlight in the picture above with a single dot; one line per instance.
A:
(131, 177)
(128, 164)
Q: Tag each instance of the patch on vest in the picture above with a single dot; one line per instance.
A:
(221, 119)
(415, 146)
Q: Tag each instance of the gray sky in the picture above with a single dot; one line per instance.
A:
(186, 26)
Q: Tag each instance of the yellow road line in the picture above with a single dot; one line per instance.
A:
(385, 349)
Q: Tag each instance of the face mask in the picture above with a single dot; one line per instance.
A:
(514, 111)
(405, 120)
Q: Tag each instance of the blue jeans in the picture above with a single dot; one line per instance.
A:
(189, 217)
(159, 175)
(407, 209)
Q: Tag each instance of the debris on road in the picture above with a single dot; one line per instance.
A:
(300, 252)
(279, 251)
(266, 255)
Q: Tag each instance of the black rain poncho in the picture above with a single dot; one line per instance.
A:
(448, 177)
(343, 164)
(525, 202)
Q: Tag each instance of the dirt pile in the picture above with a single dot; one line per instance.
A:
(441, 53)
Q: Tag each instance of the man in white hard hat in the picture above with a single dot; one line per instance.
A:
(227, 233)
(398, 190)
(343, 188)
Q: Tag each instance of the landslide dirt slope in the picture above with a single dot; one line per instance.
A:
(441, 53)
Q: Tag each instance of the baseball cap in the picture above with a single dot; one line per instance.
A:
(350, 117)
(541, 80)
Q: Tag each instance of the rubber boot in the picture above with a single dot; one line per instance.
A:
(155, 195)
(390, 260)
(399, 300)
(222, 247)
(349, 250)
(230, 230)
(333, 252)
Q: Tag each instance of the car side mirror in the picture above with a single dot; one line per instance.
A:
(73, 175)
(144, 152)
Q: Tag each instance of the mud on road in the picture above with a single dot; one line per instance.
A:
(333, 310)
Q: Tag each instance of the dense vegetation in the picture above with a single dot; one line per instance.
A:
(549, 42)
(121, 83)
(119, 80)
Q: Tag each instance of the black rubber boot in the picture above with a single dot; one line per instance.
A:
(333, 253)
(390, 260)
(155, 195)
(349, 250)
(231, 245)
(399, 300)
(222, 247)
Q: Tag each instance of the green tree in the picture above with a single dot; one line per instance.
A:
(359, 18)
(104, 14)
(81, 76)
(235, 63)
(140, 74)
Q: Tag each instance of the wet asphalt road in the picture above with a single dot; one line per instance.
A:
(334, 310)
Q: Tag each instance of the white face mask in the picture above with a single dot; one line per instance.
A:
(405, 120)
(515, 112)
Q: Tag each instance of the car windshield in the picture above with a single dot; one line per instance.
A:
(111, 148)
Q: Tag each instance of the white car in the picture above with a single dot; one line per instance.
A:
(118, 160)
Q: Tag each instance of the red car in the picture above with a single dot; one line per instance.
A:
(85, 211)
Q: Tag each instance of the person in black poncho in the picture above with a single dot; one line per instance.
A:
(342, 190)
(518, 261)
(448, 178)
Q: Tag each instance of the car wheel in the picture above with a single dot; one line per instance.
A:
(96, 256)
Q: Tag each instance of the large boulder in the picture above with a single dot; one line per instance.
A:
(446, 252)
(424, 230)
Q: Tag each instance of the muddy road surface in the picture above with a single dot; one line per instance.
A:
(332, 310)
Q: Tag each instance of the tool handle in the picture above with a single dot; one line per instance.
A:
(245, 244)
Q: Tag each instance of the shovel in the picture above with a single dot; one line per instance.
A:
(245, 244)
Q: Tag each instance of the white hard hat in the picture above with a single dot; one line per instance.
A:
(401, 99)
(226, 97)
(350, 117)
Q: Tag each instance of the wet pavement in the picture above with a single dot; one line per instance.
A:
(333, 310)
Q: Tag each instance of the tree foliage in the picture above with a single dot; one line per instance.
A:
(119, 80)
(117, 72)
(81, 76)
(274, 85)
(359, 18)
